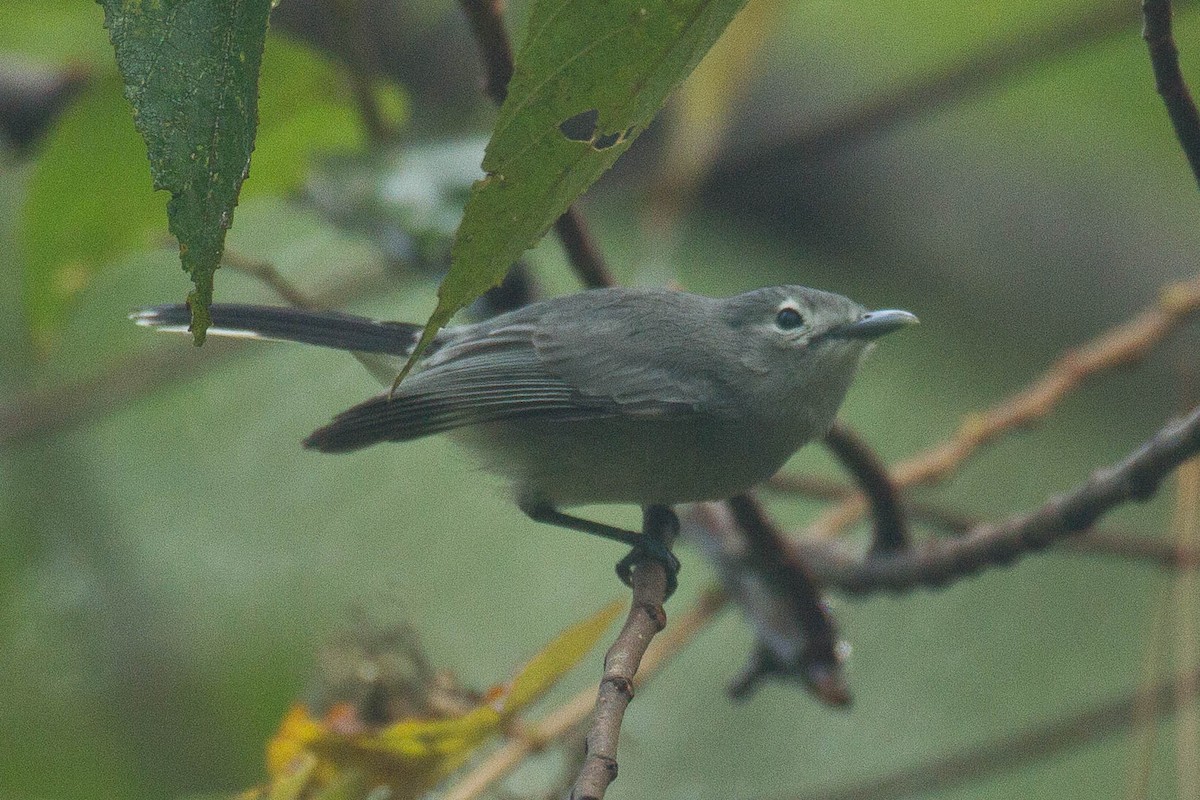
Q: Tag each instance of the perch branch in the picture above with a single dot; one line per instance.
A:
(938, 562)
(1168, 79)
(1119, 347)
(568, 717)
(646, 618)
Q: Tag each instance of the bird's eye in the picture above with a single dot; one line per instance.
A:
(789, 319)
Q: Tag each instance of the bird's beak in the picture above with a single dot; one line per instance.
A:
(874, 324)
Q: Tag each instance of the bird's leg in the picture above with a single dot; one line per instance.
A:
(659, 527)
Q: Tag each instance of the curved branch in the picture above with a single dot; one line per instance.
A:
(883, 496)
(1168, 79)
(971, 76)
(487, 26)
(1119, 347)
(797, 636)
(938, 562)
(1114, 542)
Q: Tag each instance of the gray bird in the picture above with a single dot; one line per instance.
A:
(646, 396)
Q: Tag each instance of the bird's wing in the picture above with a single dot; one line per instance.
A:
(523, 368)
(490, 386)
(652, 354)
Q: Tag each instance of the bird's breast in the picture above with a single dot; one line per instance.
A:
(624, 459)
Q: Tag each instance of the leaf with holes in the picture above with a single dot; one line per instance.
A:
(191, 74)
(589, 77)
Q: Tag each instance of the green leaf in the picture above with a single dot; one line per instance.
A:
(589, 77)
(191, 74)
(94, 157)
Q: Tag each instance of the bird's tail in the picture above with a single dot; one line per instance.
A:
(321, 328)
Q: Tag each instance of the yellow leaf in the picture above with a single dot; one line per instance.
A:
(556, 658)
(291, 786)
(296, 732)
(412, 756)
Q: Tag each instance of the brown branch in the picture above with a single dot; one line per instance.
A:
(938, 562)
(1119, 347)
(265, 273)
(797, 637)
(1168, 79)
(567, 718)
(1143, 724)
(649, 581)
(1159, 552)
(487, 25)
(582, 251)
(1007, 753)
(646, 618)
(1098, 541)
(890, 528)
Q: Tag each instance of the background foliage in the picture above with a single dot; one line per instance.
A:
(170, 558)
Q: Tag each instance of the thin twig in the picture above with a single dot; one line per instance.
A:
(646, 618)
(1119, 347)
(568, 717)
(265, 272)
(1118, 544)
(1168, 79)
(649, 581)
(582, 252)
(938, 562)
(1143, 717)
(487, 25)
(1105, 541)
(1008, 753)
(890, 527)
(797, 637)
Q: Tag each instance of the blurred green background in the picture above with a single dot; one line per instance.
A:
(170, 559)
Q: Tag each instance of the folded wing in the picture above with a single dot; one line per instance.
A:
(588, 356)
